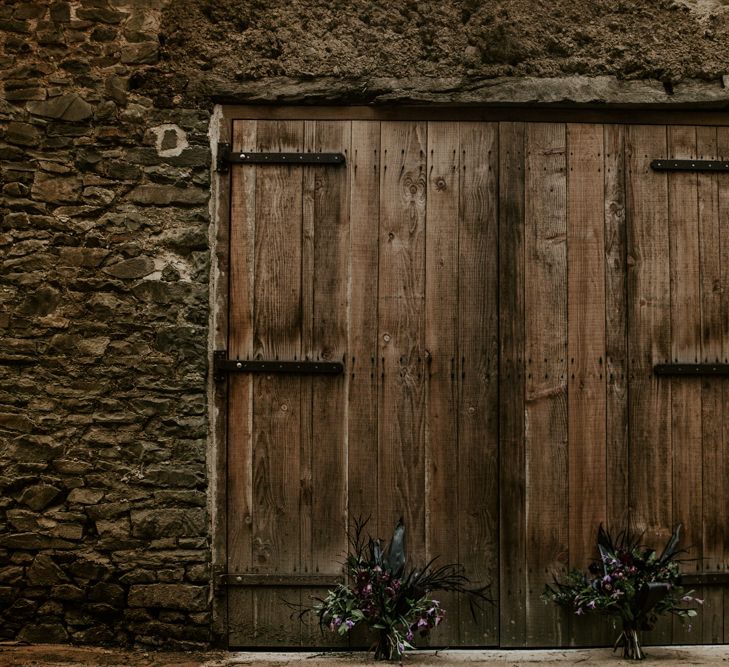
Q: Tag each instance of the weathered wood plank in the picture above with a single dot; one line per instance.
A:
(442, 479)
(683, 231)
(478, 345)
(649, 304)
(240, 393)
(712, 409)
(307, 488)
(616, 332)
(546, 379)
(723, 207)
(586, 353)
(277, 400)
(330, 329)
(364, 173)
(512, 455)
(401, 293)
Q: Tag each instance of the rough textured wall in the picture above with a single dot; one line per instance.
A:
(385, 50)
(103, 325)
(104, 259)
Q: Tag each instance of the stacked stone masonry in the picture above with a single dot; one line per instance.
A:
(104, 533)
(105, 109)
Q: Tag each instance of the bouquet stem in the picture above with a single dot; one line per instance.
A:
(630, 642)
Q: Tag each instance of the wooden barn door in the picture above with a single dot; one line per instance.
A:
(499, 294)
(389, 265)
(608, 268)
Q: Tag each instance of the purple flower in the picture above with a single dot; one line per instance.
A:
(591, 604)
(580, 611)
(409, 635)
(422, 623)
(337, 621)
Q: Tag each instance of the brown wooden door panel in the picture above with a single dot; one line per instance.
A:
(499, 294)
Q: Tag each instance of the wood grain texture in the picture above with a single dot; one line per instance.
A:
(239, 509)
(442, 479)
(586, 353)
(512, 454)
(364, 174)
(723, 207)
(586, 340)
(277, 400)
(401, 292)
(478, 353)
(616, 332)
(683, 229)
(714, 485)
(546, 376)
(649, 307)
(330, 328)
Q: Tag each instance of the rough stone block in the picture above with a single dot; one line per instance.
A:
(112, 594)
(45, 572)
(14, 422)
(56, 189)
(169, 596)
(85, 496)
(61, 12)
(131, 269)
(43, 633)
(69, 107)
(39, 496)
(22, 134)
(162, 195)
(86, 257)
(155, 523)
(144, 53)
(67, 592)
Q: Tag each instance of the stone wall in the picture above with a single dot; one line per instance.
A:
(104, 530)
(104, 245)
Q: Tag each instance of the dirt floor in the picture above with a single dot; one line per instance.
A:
(66, 656)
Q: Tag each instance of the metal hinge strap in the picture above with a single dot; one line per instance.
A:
(690, 165)
(226, 157)
(698, 370)
(280, 580)
(223, 365)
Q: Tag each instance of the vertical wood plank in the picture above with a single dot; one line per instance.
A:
(331, 311)
(712, 337)
(546, 381)
(586, 352)
(326, 313)
(649, 304)
(364, 223)
(442, 477)
(723, 206)
(277, 400)
(401, 476)
(307, 486)
(616, 332)
(478, 350)
(239, 509)
(683, 229)
(512, 456)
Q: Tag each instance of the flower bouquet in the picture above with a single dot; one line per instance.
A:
(387, 597)
(630, 582)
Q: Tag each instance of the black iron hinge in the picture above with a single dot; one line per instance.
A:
(690, 165)
(222, 366)
(226, 157)
(696, 370)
